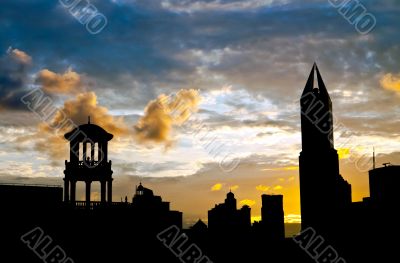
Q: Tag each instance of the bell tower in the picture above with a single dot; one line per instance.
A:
(88, 162)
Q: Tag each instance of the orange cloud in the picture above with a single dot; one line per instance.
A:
(234, 187)
(54, 83)
(262, 188)
(248, 202)
(287, 168)
(343, 153)
(77, 110)
(84, 105)
(163, 113)
(391, 82)
(21, 56)
(216, 187)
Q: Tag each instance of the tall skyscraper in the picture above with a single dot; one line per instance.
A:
(323, 191)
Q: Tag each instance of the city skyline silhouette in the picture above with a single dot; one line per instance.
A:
(199, 131)
(86, 229)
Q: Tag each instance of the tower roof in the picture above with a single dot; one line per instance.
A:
(315, 81)
(199, 225)
(89, 131)
(230, 195)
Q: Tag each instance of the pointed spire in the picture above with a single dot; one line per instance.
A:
(315, 81)
(321, 85)
(310, 82)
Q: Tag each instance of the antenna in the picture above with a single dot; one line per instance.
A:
(373, 158)
(88, 120)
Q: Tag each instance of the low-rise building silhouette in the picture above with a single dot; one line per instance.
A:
(149, 207)
(384, 185)
(30, 197)
(225, 217)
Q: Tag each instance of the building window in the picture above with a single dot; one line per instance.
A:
(96, 152)
(88, 151)
(80, 151)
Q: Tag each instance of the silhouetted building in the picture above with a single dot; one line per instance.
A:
(384, 185)
(272, 216)
(88, 162)
(199, 226)
(226, 216)
(20, 197)
(199, 233)
(150, 208)
(323, 191)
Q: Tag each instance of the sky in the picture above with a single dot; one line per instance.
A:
(236, 67)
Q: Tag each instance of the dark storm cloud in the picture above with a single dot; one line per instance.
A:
(13, 78)
(146, 47)
(144, 37)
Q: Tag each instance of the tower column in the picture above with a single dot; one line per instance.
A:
(74, 152)
(66, 190)
(100, 153)
(73, 192)
(109, 191)
(103, 191)
(105, 149)
(88, 183)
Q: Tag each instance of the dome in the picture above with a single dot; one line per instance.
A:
(140, 187)
(90, 131)
(230, 195)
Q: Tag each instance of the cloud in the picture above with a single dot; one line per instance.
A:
(234, 187)
(83, 105)
(248, 202)
(77, 110)
(54, 83)
(218, 5)
(21, 56)
(343, 153)
(163, 113)
(391, 82)
(262, 188)
(14, 67)
(286, 168)
(216, 187)
(278, 187)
